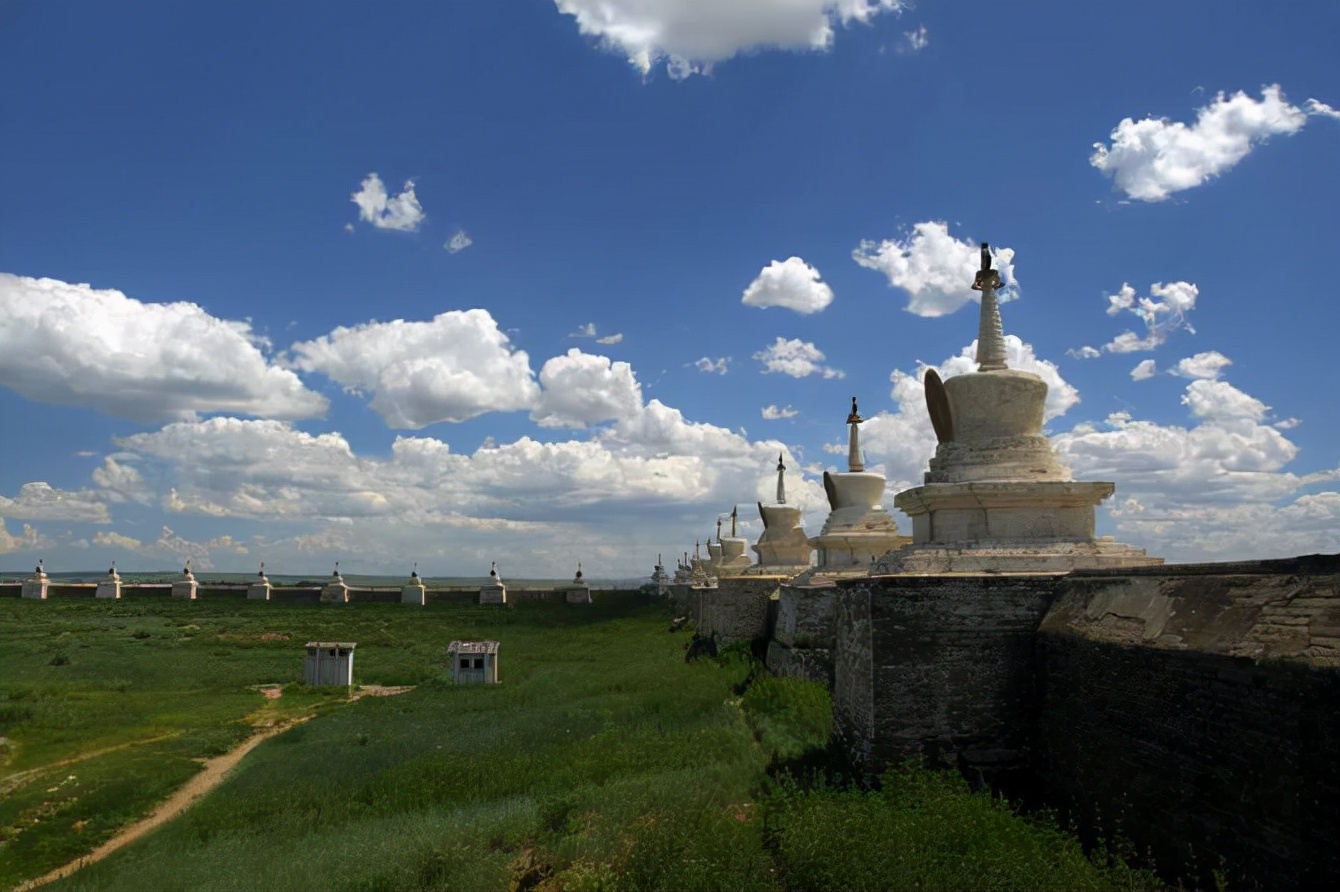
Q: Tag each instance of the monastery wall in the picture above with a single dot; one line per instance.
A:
(1197, 709)
(740, 608)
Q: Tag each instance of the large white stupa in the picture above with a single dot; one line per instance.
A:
(997, 497)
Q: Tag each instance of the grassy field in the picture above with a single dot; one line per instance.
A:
(603, 761)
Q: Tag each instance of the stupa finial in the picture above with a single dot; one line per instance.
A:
(718, 530)
(734, 516)
(781, 480)
(990, 334)
(854, 462)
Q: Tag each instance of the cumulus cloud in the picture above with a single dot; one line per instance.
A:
(1163, 313)
(74, 345)
(452, 368)
(400, 212)
(1203, 365)
(1153, 158)
(716, 366)
(120, 482)
(796, 358)
(41, 501)
(580, 389)
(607, 340)
(773, 413)
(1145, 369)
(934, 268)
(917, 40)
(589, 331)
(688, 36)
(171, 547)
(458, 242)
(27, 539)
(790, 283)
(1221, 401)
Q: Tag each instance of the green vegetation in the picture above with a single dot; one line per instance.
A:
(603, 761)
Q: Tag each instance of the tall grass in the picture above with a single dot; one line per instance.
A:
(603, 761)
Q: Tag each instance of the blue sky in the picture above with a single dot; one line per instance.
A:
(547, 282)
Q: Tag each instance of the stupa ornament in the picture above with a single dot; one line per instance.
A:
(990, 333)
(854, 460)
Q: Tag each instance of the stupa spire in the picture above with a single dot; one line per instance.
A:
(990, 334)
(734, 516)
(718, 530)
(854, 462)
(781, 480)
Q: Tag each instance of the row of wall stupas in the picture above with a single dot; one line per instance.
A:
(996, 497)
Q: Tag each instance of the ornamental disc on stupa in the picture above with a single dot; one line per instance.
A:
(996, 497)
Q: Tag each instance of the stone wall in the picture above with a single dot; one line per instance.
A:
(1196, 710)
(939, 666)
(740, 608)
(803, 638)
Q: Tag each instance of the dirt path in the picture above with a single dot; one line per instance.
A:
(212, 774)
(19, 778)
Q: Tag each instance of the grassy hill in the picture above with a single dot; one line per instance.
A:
(603, 761)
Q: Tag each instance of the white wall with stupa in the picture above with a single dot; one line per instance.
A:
(996, 497)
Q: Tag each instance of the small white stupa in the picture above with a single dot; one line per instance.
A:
(701, 573)
(577, 591)
(186, 586)
(335, 591)
(35, 586)
(733, 561)
(858, 527)
(110, 586)
(493, 591)
(414, 591)
(659, 577)
(997, 497)
(259, 590)
(714, 549)
(783, 543)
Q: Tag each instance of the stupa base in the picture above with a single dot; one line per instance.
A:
(1003, 556)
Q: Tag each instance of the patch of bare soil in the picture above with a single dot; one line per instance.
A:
(211, 775)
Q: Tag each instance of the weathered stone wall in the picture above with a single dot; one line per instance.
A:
(738, 609)
(803, 636)
(1196, 711)
(950, 671)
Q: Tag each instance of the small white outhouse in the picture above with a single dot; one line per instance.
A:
(329, 663)
(473, 662)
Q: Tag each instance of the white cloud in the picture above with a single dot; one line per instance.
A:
(399, 212)
(27, 539)
(120, 482)
(1162, 313)
(1315, 107)
(607, 340)
(934, 268)
(454, 367)
(74, 345)
(589, 331)
(1151, 159)
(581, 389)
(40, 501)
(917, 40)
(1203, 365)
(688, 36)
(796, 358)
(110, 539)
(171, 547)
(1084, 353)
(458, 242)
(712, 366)
(773, 413)
(1287, 424)
(1144, 370)
(790, 283)
(1221, 401)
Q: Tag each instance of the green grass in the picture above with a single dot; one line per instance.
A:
(603, 761)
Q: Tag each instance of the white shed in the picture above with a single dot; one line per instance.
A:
(329, 663)
(473, 662)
